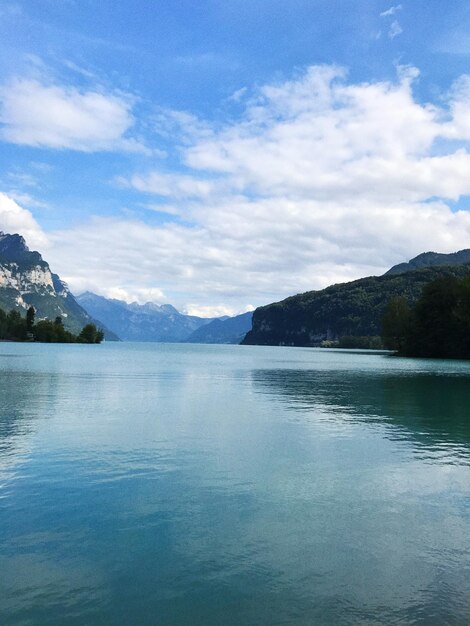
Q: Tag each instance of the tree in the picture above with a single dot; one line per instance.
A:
(3, 324)
(434, 330)
(395, 324)
(438, 326)
(51, 332)
(30, 315)
(45, 331)
(16, 326)
(462, 314)
(99, 336)
(90, 334)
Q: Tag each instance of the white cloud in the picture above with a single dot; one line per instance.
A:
(321, 138)
(136, 294)
(22, 178)
(238, 95)
(53, 116)
(25, 199)
(395, 29)
(459, 102)
(321, 180)
(212, 311)
(15, 219)
(172, 185)
(391, 11)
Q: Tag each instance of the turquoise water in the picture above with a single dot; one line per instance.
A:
(181, 484)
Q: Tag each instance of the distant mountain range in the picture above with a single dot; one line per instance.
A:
(26, 279)
(231, 330)
(142, 322)
(353, 309)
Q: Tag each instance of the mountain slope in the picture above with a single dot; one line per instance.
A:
(26, 279)
(141, 322)
(231, 330)
(431, 259)
(347, 309)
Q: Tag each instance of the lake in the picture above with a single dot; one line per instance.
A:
(186, 484)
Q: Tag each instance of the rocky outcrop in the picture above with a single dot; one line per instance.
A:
(26, 280)
(36, 278)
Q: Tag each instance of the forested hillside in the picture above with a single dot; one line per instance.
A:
(352, 309)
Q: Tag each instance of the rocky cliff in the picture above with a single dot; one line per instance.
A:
(26, 279)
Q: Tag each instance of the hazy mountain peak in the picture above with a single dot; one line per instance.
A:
(226, 330)
(169, 308)
(142, 322)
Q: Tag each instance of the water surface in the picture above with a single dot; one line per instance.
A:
(183, 484)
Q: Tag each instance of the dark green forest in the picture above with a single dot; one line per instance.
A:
(346, 315)
(436, 326)
(15, 327)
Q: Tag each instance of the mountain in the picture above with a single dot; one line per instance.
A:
(231, 330)
(142, 322)
(344, 310)
(26, 279)
(431, 259)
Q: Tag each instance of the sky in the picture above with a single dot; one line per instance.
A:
(224, 154)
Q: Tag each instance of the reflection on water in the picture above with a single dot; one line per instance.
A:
(430, 409)
(150, 484)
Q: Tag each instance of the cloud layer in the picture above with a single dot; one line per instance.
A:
(15, 219)
(54, 116)
(319, 180)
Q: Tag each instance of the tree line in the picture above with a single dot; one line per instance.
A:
(437, 326)
(15, 327)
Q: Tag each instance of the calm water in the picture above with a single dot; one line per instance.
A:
(177, 484)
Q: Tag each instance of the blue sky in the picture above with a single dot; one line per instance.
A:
(223, 154)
